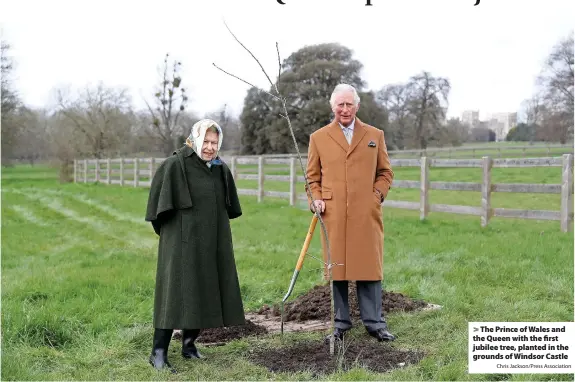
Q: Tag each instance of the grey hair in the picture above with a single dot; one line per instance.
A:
(344, 88)
(213, 129)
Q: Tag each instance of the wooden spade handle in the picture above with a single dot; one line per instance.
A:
(306, 243)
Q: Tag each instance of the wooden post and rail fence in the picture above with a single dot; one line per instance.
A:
(137, 172)
(499, 151)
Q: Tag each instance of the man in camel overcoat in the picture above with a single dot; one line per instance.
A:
(349, 174)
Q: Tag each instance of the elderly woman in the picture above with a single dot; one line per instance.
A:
(192, 199)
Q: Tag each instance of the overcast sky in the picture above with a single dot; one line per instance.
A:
(491, 53)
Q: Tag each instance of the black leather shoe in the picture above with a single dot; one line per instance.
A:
(189, 349)
(159, 357)
(159, 360)
(382, 335)
(337, 334)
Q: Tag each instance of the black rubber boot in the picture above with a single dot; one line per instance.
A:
(159, 356)
(189, 349)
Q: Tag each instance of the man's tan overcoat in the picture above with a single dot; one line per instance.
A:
(346, 178)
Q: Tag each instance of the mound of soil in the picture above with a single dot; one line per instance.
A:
(314, 357)
(217, 335)
(316, 305)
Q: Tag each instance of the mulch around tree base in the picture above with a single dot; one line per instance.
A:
(223, 334)
(316, 304)
(214, 335)
(314, 357)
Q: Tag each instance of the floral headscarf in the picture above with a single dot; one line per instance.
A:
(196, 137)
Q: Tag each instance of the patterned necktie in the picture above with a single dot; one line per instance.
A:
(348, 134)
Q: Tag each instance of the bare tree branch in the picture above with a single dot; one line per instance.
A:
(164, 101)
(261, 90)
(279, 62)
(239, 42)
(156, 126)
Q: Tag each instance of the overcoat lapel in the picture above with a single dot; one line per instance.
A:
(358, 132)
(337, 135)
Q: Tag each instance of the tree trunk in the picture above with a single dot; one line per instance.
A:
(66, 170)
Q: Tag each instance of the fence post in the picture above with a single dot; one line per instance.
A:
(260, 178)
(486, 192)
(97, 170)
(85, 170)
(292, 182)
(136, 171)
(424, 189)
(109, 174)
(122, 171)
(151, 169)
(567, 193)
(234, 167)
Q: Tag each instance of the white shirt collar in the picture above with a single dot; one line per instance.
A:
(351, 125)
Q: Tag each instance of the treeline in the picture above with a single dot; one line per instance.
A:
(549, 112)
(412, 114)
(101, 121)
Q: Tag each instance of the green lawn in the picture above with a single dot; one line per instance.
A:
(78, 267)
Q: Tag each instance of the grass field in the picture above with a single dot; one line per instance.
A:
(78, 267)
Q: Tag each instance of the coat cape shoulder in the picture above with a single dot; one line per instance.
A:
(169, 190)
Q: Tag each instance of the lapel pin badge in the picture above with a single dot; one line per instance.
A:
(371, 144)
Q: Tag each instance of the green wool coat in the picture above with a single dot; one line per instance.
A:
(190, 207)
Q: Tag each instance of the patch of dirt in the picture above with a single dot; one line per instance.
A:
(314, 357)
(223, 335)
(316, 305)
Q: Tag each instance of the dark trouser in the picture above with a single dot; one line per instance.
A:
(370, 306)
(162, 338)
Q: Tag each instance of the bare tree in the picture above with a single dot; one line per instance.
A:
(166, 113)
(417, 112)
(551, 108)
(534, 108)
(534, 112)
(64, 140)
(9, 105)
(22, 128)
(145, 136)
(426, 93)
(101, 116)
(8, 95)
(557, 76)
(395, 99)
(28, 143)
